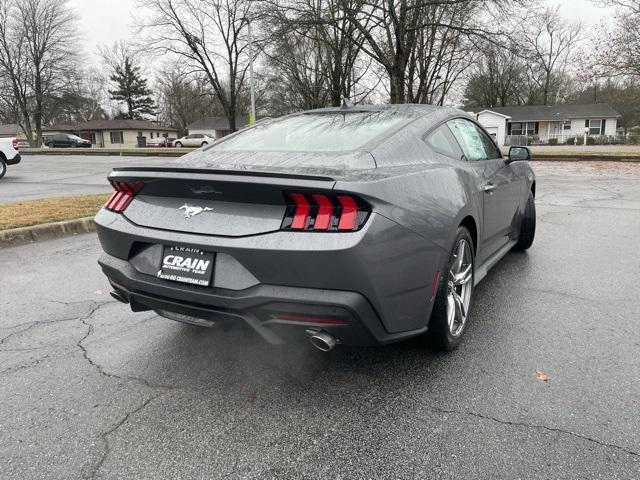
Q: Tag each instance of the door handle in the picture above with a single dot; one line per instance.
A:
(489, 187)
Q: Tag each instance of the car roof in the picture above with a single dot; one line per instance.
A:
(411, 109)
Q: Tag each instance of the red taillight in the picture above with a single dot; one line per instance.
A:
(301, 212)
(16, 145)
(324, 212)
(124, 193)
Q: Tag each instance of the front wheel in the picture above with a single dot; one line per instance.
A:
(204, 144)
(51, 145)
(454, 296)
(178, 145)
(3, 167)
(528, 226)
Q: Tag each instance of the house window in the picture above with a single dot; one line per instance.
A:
(530, 128)
(524, 128)
(116, 137)
(566, 125)
(595, 127)
(151, 134)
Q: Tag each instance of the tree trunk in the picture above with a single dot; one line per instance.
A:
(396, 88)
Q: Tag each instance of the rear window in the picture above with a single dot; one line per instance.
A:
(316, 132)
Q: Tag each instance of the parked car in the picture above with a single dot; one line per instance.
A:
(353, 226)
(194, 140)
(9, 154)
(66, 140)
(161, 142)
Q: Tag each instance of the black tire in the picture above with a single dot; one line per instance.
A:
(204, 144)
(439, 334)
(528, 226)
(178, 145)
(3, 167)
(51, 145)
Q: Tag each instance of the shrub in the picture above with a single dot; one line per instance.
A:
(591, 140)
(553, 141)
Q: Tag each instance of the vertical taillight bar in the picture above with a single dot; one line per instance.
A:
(325, 212)
(124, 193)
(302, 211)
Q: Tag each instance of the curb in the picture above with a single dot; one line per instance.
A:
(45, 231)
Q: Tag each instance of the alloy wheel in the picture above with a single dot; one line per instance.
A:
(459, 285)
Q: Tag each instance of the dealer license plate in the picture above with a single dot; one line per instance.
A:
(187, 265)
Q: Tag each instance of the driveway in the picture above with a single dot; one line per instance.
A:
(41, 176)
(545, 385)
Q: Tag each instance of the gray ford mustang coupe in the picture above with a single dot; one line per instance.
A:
(352, 226)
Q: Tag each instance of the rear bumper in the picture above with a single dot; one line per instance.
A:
(274, 311)
(378, 279)
(15, 160)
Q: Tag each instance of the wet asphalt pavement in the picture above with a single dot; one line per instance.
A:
(90, 390)
(42, 176)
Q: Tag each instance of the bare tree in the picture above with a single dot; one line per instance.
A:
(441, 54)
(184, 98)
(496, 78)
(316, 46)
(549, 43)
(36, 37)
(618, 50)
(209, 37)
(392, 28)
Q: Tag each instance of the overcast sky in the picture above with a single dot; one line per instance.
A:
(107, 25)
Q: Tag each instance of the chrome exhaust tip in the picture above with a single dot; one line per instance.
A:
(323, 341)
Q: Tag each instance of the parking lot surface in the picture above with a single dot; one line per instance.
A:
(41, 176)
(546, 384)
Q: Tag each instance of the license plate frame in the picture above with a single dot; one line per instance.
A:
(187, 265)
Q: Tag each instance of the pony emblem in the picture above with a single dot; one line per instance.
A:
(190, 211)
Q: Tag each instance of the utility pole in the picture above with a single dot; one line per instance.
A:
(252, 115)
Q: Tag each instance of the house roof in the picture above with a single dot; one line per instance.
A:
(555, 112)
(121, 124)
(9, 129)
(217, 123)
(59, 127)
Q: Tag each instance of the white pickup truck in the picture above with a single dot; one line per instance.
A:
(9, 154)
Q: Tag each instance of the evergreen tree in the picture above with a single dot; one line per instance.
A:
(131, 88)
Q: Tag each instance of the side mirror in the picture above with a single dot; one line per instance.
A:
(518, 154)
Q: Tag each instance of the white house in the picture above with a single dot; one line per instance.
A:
(543, 124)
(216, 127)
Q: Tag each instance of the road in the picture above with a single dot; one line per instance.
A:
(90, 390)
(41, 176)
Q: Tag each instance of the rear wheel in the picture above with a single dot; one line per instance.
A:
(454, 295)
(528, 225)
(50, 145)
(3, 167)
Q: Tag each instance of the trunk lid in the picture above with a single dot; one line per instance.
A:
(213, 202)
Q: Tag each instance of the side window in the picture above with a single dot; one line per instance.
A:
(490, 147)
(442, 141)
(469, 138)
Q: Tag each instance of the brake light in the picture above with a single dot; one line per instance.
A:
(324, 212)
(124, 193)
(16, 145)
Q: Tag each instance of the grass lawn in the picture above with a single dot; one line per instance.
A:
(34, 212)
